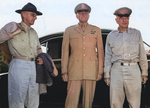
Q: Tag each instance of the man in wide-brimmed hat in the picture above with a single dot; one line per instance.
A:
(84, 66)
(24, 47)
(124, 49)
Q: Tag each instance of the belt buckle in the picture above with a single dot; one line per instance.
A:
(32, 59)
(128, 64)
(121, 64)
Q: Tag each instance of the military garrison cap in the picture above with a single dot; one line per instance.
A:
(123, 12)
(82, 7)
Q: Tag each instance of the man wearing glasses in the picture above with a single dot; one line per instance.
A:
(84, 66)
(24, 47)
(124, 49)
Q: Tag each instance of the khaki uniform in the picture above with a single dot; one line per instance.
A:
(22, 87)
(124, 50)
(86, 59)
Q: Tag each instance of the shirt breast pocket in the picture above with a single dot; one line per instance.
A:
(134, 46)
(116, 47)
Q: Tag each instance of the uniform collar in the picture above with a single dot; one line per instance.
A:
(25, 26)
(128, 30)
(87, 30)
(82, 25)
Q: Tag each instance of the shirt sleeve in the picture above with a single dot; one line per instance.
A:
(65, 52)
(6, 31)
(108, 57)
(39, 49)
(100, 52)
(142, 58)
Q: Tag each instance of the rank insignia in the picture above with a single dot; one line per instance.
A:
(93, 32)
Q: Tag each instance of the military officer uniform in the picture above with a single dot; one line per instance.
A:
(122, 52)
(24, 46)
(84, 63)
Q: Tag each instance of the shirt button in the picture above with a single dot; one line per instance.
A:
(83, 37)
(83, 42)
(83, 47)
(84, 55)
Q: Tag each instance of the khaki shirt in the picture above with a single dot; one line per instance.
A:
(24, 44)
(125, 47)
(86, 58)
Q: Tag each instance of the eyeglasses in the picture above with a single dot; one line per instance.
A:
(33, 15)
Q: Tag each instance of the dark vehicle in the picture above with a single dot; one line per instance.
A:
(56, 94)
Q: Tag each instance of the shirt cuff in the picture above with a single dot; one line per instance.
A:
(145, 73)
(106, 75)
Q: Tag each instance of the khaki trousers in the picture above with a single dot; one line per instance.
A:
(125, 80)
(73, 92)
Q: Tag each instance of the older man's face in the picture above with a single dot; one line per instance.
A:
(82, 16)
(122, 21)
(29, 17)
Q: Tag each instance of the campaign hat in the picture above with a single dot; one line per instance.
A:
(29, 7)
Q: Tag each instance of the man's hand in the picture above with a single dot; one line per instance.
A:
(39, 61)
(144, 79)
(20, 27)
(65, 77)
(99, 77)
(17, 31)
(55, 72)
(107, 81)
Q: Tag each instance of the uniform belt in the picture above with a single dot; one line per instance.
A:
(125, 64)
(24, 58)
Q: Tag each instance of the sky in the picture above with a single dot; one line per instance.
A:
(59, 14)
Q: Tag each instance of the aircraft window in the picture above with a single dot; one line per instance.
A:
(54, 48)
